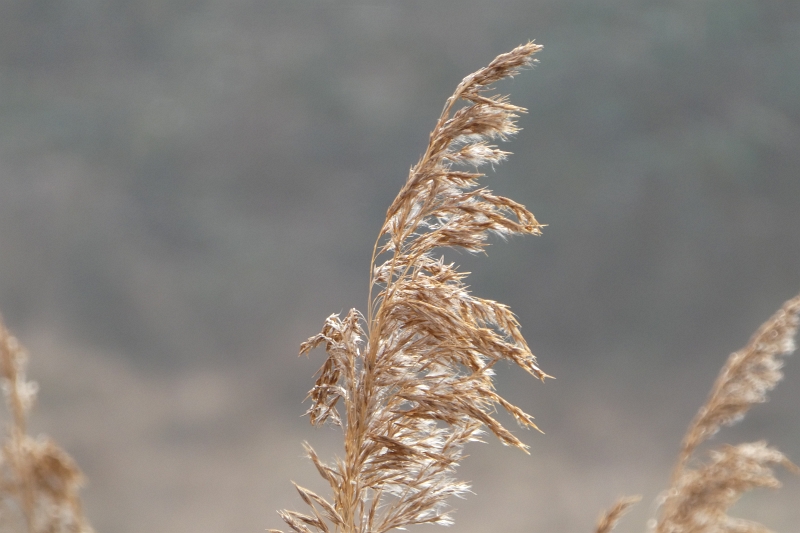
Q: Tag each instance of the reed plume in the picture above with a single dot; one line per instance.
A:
(700, 495)
(39, 482)
(414, 376)
(608, 520)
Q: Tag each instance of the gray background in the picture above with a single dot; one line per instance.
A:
(187, 190)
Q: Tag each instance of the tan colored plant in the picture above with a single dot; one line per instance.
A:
(414, 377)
(608, 521)
(700, 495)
(39, 482)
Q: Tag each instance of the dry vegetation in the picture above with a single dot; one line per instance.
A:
(39, 482)
(414, 377)
(700, 495)
(410, 383)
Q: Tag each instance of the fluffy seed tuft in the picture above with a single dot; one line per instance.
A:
(411, 383)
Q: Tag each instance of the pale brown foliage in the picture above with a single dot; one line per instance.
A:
(38, 480)
(414, 377)
(699, 499)
(700, 496)
(608, 520)
(745, 379)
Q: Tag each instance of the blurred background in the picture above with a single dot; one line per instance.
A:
(188, 189)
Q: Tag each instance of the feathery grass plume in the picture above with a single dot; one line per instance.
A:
(699, 497)
(414, 377)
(39, 482)
(608, 520)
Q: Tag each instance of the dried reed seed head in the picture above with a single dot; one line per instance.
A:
(55, 473)
(39, 477)
(12, 357)
(700, 499)
(747, 376)
(414, 383)
(19, 393)
(504, 66)
(608, 520)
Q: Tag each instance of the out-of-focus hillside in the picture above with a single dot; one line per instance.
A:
(187, 189)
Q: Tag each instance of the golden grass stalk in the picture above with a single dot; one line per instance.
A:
(39, 482)
(414, 377)
(700, 496)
